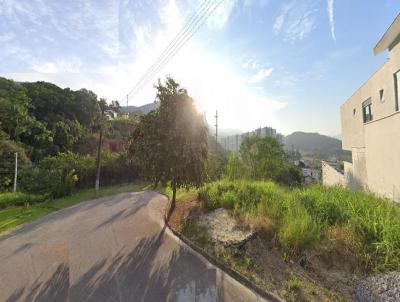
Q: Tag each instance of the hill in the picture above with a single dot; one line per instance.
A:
(316, 145)
(144, 109)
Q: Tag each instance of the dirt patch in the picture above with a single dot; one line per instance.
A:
(184, 210)
(321, 274)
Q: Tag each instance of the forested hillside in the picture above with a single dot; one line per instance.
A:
(317, 145)
(55, 132)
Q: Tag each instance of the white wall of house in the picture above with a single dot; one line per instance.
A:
(331, 176)
(375, 144)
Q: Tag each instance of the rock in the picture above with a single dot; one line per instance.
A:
(223, 229)
(379, 288)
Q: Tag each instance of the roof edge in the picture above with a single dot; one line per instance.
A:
(388, 37)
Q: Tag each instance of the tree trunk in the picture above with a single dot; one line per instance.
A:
(173, 195)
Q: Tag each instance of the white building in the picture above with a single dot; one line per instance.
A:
(371, 124)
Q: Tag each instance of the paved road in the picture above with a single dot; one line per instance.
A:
(109, 249)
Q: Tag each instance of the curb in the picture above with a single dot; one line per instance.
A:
(218, 263)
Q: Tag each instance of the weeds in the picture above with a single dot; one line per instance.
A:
(300, 218)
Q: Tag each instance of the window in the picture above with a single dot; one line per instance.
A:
(381, 96)
(367, 110)
(397, 88)
(354, 111)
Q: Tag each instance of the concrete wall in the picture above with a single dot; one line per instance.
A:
(375, 145)
(382, 156)
(331, 176)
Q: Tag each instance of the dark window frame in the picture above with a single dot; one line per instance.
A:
(396, 89)
(382, 95)
(367, 110)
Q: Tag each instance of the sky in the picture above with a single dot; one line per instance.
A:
(287, 64)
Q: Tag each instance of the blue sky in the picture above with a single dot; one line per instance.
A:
(288, 64)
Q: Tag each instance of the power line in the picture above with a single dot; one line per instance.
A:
(180, 42)
(205, 4)
(191, 27)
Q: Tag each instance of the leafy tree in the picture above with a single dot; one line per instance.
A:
(263, 158)
(170, 143)
(8, 149)
(14, 105)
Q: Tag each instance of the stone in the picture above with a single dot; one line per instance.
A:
(224, 229)
(379, 288)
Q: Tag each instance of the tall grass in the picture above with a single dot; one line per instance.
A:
(19, 199)
(304, 217)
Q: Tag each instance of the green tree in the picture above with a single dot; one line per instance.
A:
(8, 149)
(170, 143)
(263, 158)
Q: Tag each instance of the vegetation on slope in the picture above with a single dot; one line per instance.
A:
(302, 218)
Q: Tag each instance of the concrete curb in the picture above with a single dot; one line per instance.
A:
(218, 263)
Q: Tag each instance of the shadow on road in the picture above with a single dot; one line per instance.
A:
(157, 269)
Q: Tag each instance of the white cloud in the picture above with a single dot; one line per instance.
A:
(221, 15)
(261, 75)
(330, 4)
(296, 20)
(7, 37)
(209, 78)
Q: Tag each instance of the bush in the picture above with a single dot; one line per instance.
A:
(8, 149)
(19, 199)
(60, 175)
(298, 230)
(263, 158)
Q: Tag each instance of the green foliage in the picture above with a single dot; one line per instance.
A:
(262, 158)
(60, 175)
(48, 119)
(294, 283)
(16, 215)
(19, 199)
(14, 105)
(216, 165)
(298, 229)
(8, 149)
(170, 143)
(302, 217)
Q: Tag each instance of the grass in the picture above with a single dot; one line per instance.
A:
(181, 194)
(302, 218)
(11, 217)
(19, 199)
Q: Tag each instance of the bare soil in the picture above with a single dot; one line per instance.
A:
(326, 273)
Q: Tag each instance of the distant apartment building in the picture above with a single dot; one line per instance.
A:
(371, 124)
(233, 142)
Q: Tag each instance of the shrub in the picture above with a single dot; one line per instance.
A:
(301, 217)
(18, 199)
(60, 175)
(8, 149)
(298, 230)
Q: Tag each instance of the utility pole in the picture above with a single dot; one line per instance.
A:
(127, 105)
(98, 160)
(237, 142)
(216, 131)
(16, 172)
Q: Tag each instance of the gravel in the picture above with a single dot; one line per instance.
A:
(224, 229)
(379, 288)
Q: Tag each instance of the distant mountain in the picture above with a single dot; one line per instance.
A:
(317, 145)
(144, 109)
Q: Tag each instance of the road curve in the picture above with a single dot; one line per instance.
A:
(109, 249)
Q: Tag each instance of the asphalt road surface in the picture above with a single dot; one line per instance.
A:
(109, 249)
